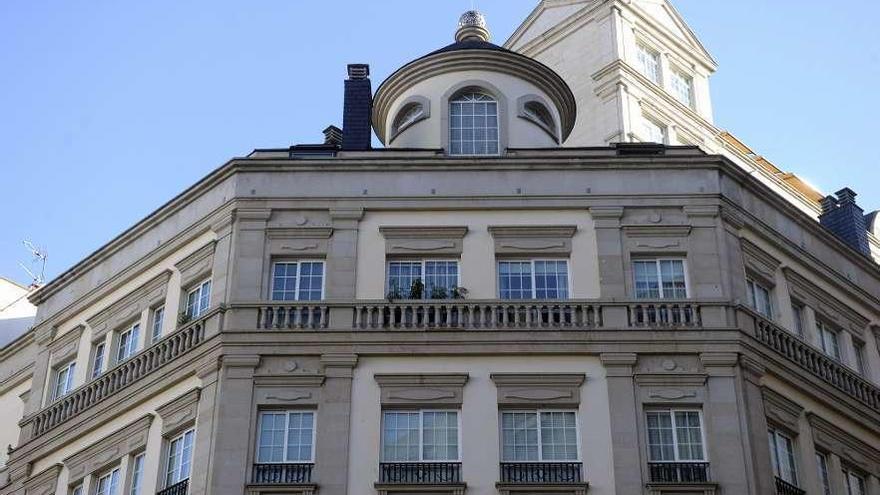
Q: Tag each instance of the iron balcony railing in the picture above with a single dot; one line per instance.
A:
(679, 472)
(541, 472)
(785, 488)
(179, 488)
(415, 473)
(282, 474)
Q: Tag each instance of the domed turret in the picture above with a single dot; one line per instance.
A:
(472, 27)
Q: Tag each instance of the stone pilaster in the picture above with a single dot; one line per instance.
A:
(250, 254)
(342, 253)
(334, 423)
(624, 423)
(757, 460)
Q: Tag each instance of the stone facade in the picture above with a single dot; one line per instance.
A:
(278, 318)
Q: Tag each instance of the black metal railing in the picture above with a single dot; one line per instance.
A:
(179, 488)
(785, 488)
(679, 472)
(282, 474)
(541, 472)
(420, 472)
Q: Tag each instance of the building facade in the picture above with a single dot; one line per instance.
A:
(491, 303)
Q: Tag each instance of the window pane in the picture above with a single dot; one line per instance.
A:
(649, 63)
(137, 474)
(689, 435)
(647, 279)
(558, 436)
(473, 128)
(401, 275)
(271, 438)
(98, 360)
(440, 278)
(284, 282)
(661, 444)
(551, 279)
(158, 320)
(673, 279)
(519, 432)
(653, 132)
(515, 279)
(822, 464)
(311, 281)
(440, 436)
(299, 436)
(682, 87)
(400, 437)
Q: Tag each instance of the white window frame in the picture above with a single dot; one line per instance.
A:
(77, 490)
(671, 412)
(577, 435)
(287, 413)
(664, 131)
(859, 362)
(124, 353)
(424, 262)
(752, 287)
(457, 99)
(421, 433)
(156, 323)
(98, 360)
(199, 287)
(850, 477)
(824, 476)
(298, 263)
(775, 434)
(169, 469)
(644, 52)
(657, 261)
(137, 475)
(678, 77)
(823, 329)
(70, 369)
(108, 475)
(534, 285)
(797, 314)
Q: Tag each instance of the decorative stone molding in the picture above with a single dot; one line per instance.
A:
(827, 307)
(848, 447)
(65, 347)
(720, 363)
(339, 365)
(197, 265)
(299, 241)
(618, 364)
(289, 390)
(43, 483)
(420, 488)
(781, 411)
(445, 389)
(644, 239)
(542, 488)
(538, 389)
(129, 308)
(180, 413)
(759, 264)
(533, 239)
(421, 240)
(682, 488)
(606, 217)
(110, 449)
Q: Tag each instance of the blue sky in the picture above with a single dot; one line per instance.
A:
(111, 108)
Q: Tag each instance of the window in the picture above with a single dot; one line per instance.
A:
(298, 281)
(98, 361)
(440, 278)
(675, 436)
(420, 436)
(652, 132)
(198, 300)
(533, 279)
(660, 278)
(855, 484)
(77, 490)
(528, 436)
(158, 320)
(649, 63)
(822, 463)
(782, 456)
(828, 340)
(137, 474)
(179, 458)
(64, 380)
(759, 298)
(286, 437)
(538, 113)
(108, 483)
(408, 115)
(682, 87)
(797, 313)
(473, 124)
(128, 341)
(859, 356)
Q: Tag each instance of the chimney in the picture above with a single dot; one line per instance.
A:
(333, 135)
(843, 217)
(357, 107)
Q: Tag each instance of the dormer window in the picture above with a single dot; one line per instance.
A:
(410, 114)
(473, 124)
(537, 113)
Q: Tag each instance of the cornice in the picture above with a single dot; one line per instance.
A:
(845, 445)
(423, 231)
(505, 62)
(516, 231)
(130, 438)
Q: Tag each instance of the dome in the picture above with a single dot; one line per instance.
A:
(431, 101)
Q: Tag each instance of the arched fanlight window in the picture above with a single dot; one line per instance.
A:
(407, 116)
(473, 124)
(539, 112)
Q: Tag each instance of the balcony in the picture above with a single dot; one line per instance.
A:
(807, 357)
(785, 488)
(541, 472)
(179, 488)
(282, 474)
(678, 472)
(483, 315)
(408, 477)
(145, 363)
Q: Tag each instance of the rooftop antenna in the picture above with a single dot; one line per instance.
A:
(38, 255)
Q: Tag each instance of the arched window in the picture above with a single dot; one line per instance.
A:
(473, 124)
(537, 113)
(408, 115)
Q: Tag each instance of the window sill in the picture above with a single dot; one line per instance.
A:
(426, 488)
(707, 488)
(286, 489)
(560, 488)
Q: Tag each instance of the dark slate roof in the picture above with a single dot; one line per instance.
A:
(469, 45)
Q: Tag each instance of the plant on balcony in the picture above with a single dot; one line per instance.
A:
(439, 293)
(417, 289)
(459, 292)
(394, 293)
(184, 318)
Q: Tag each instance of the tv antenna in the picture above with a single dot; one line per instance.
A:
(38, 257)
